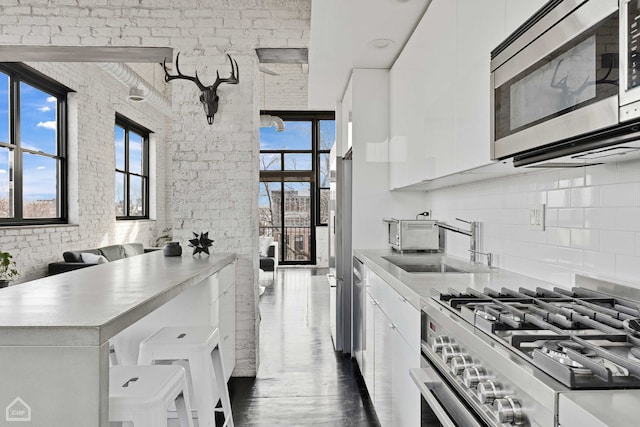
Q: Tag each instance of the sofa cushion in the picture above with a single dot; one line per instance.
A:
(89, 258)
(132, 249)
(113, 252)
(76, 256)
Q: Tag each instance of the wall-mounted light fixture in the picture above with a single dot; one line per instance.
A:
(136, 94)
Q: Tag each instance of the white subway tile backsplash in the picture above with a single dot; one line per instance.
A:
(551, 217)
(619, 195)
(592, 220)
(573, 218)
(599, 263)
(601, 174)
(567, 257)
(558, 236)
(573, 177)
(585, 239)
(618, 242)
(627, 219)
(559, 198)
(628, 268)
(599, 218)
(585, 197)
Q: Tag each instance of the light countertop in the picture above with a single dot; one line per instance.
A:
(91, 305)
(416, 287)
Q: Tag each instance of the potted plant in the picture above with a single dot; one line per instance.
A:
(7, 269)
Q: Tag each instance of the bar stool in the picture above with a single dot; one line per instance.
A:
(143, 394)
(199, 347)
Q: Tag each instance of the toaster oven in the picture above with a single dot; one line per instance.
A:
(414, 235)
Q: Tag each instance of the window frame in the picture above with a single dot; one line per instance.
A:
(315, 117)
(20, 73)
(129, 126)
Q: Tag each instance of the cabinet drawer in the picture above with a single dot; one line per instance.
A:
(402, 314)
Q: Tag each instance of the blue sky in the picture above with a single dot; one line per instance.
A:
(37, 132)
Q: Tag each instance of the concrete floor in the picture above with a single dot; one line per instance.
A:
(301, 380)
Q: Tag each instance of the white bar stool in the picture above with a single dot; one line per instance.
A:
(143, 394)
(199, 346)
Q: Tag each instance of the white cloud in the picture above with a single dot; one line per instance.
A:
(2, 171)
(44, 109)
(51, 99)
(41, 168)
(48, 125)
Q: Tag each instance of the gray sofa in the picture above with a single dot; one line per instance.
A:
(73, 259)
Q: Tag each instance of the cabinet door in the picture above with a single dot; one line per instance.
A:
(405, 401)
(384, 350)
(368, 345)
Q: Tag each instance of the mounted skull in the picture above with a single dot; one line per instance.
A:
(208, 96)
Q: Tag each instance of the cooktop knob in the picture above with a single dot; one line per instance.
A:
(472, 376)
(460, 363)
(508, 410)
(441, 341)
(488, 391)
(450, 351)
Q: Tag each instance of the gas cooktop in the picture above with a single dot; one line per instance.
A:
(584, 339)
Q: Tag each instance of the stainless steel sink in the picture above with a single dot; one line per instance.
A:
(429, 268)
(433, 263)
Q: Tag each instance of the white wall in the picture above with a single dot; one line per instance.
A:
(593, 221)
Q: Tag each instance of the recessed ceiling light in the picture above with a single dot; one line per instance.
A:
(380, 43)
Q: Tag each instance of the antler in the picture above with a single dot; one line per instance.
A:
(233, 79)
(168, 77)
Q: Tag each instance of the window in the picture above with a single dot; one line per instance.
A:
(132, 170)
(327, 138)
(32, 147)
(294, 182)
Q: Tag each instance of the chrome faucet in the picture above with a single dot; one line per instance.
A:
(474, 227)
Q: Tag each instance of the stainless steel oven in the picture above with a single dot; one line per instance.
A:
(568, 81)
(546, 356)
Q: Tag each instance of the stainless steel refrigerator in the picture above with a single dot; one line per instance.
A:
(341, 251)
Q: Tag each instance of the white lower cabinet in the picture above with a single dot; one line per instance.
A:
(390, 349)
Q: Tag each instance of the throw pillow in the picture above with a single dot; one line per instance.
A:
(89, 258)
(264, 243)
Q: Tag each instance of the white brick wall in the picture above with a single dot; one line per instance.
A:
(592, 221)
(211, 171)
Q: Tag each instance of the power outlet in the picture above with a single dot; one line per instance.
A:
(536, 218)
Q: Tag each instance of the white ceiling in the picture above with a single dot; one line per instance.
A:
(339, 42)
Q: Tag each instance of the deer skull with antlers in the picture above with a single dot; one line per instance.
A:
(208, 96)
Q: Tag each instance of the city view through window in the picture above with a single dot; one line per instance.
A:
(294, 185)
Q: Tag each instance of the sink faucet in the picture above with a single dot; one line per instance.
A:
(474, 227)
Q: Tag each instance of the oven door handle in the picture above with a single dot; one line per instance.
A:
(430, 385)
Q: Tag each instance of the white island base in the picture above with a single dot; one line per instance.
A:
(55, 332)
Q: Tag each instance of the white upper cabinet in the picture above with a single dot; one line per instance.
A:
(440, 88)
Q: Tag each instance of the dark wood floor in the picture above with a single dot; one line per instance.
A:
(301, 380)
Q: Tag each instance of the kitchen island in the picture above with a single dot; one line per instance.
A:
(55, 332)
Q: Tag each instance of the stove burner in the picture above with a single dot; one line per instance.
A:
(634, 354)
(554, 350)
(632, 326)
(486, 316)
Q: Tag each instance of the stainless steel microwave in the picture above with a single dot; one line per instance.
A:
(567, 82)
(414, 235)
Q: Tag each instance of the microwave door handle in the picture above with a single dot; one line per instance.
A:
(429, 383)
